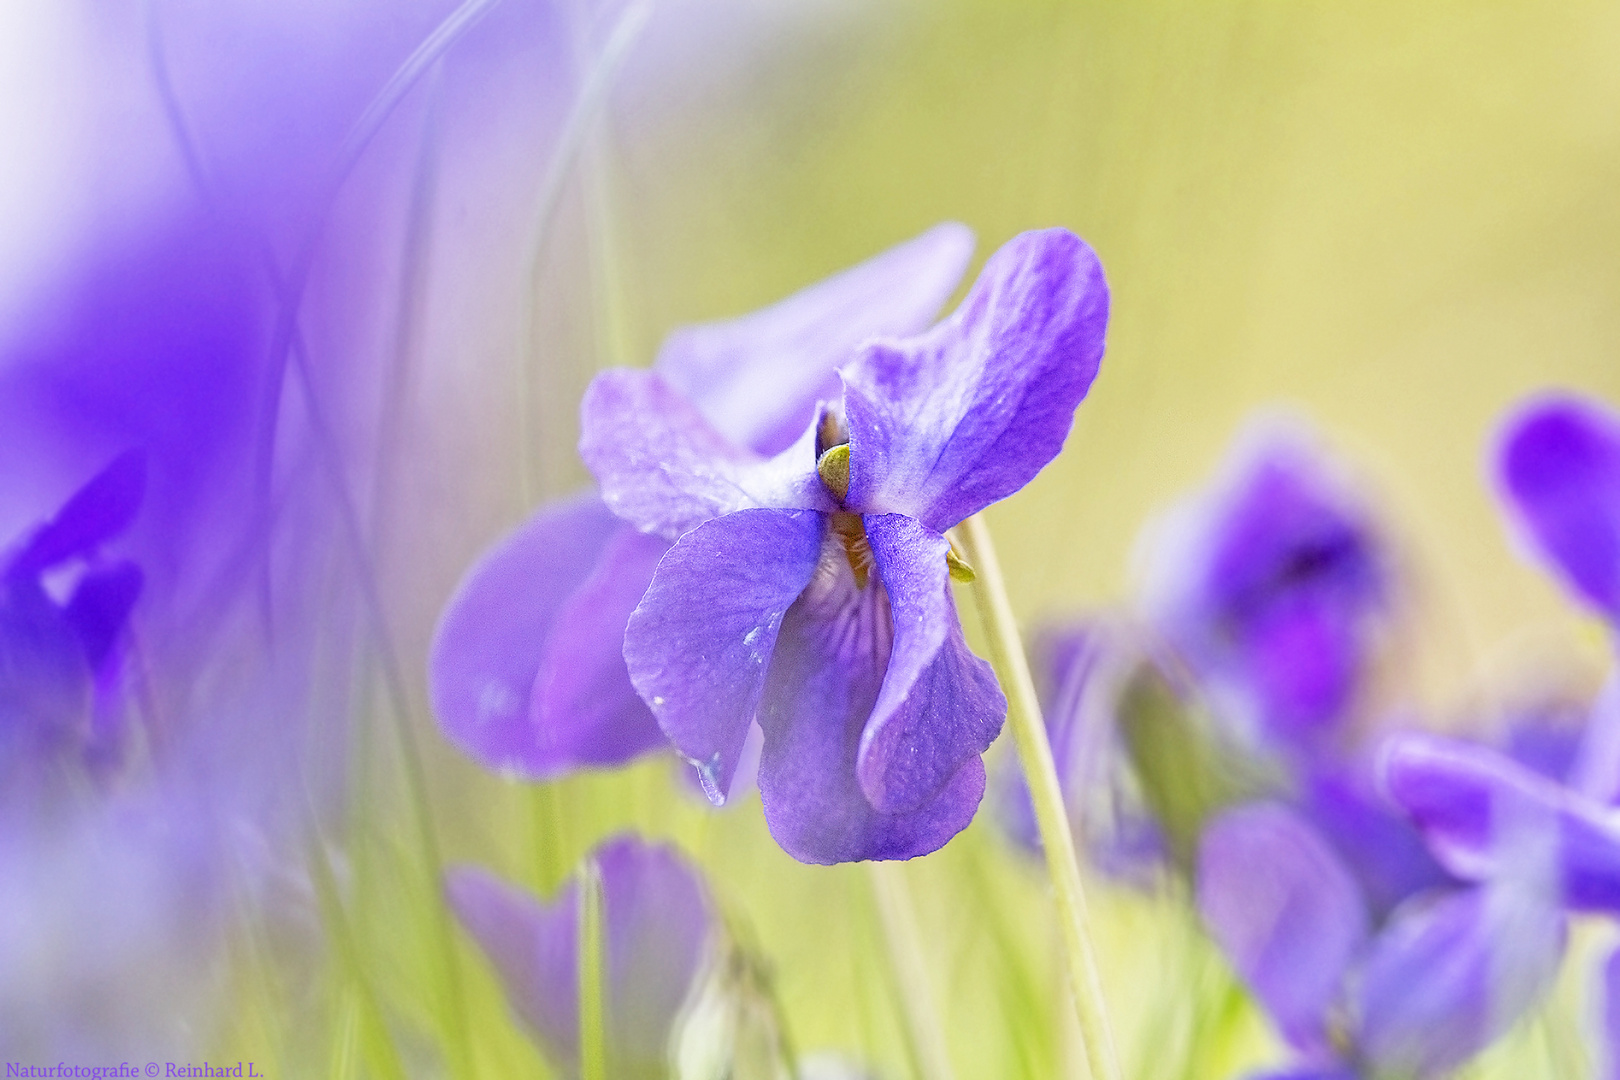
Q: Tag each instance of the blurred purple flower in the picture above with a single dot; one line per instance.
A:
(1270, 586)
(61, 658)
(527, 667)
(658, 925)
(1414, 995)
(1081, 671)
(810, 590)
(1558, 472)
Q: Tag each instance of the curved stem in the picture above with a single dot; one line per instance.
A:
(1035, 755)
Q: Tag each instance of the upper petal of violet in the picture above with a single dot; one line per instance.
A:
(1285, 911)
(699, 645)
(1558, 469)
(946, 423)
(665, 469)
(940, 705)
(757, 377)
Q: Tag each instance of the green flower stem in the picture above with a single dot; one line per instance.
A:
(592, 966)
(925, 1037)
(1035, 754)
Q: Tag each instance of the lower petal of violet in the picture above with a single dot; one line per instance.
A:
(1449, 975)
(699, 645)
(825, 678)
(940, 705)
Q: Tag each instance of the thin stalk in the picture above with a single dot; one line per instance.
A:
(1035, 755)
(592, 965)
(924, 1034)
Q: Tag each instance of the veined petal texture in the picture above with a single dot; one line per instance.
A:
(946, 423)
(757, 377)
(940, 704)
(1558, 470)
(700, 644)
(1285, 911)
(832, 653)
(665, 469)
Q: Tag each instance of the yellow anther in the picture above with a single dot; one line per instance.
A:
(834, 470)
(960, 570)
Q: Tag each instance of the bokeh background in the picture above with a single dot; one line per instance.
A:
(1393, 219)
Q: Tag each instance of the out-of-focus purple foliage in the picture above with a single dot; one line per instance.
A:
(281, 220)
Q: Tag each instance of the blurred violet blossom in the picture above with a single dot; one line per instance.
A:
(1415, 994)
(1081, 671)
(1157, 722)
(1541, 823)
(1272, 586)
(527, 667)
(658, 931)
(810, 591)
(62, 715)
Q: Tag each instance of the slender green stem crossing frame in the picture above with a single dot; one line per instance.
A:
(1035, 755)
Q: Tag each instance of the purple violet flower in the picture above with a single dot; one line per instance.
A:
(1414, 995)
(527, 667)
(810, 590)
(1270, 586)
(658, 928)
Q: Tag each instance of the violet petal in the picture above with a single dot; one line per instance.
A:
(101, 509)
(666, 470)
(1285, 911)
(494, 631)
(940, 705)
(1558, 468)
(1380, 846)
(534, 947)
(1448, 975)
(757, 377)
(657, 926)
(699, 645)
(100, 606)
(1486, 817)
(946, 423)
(831, 655)
(583, 707)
